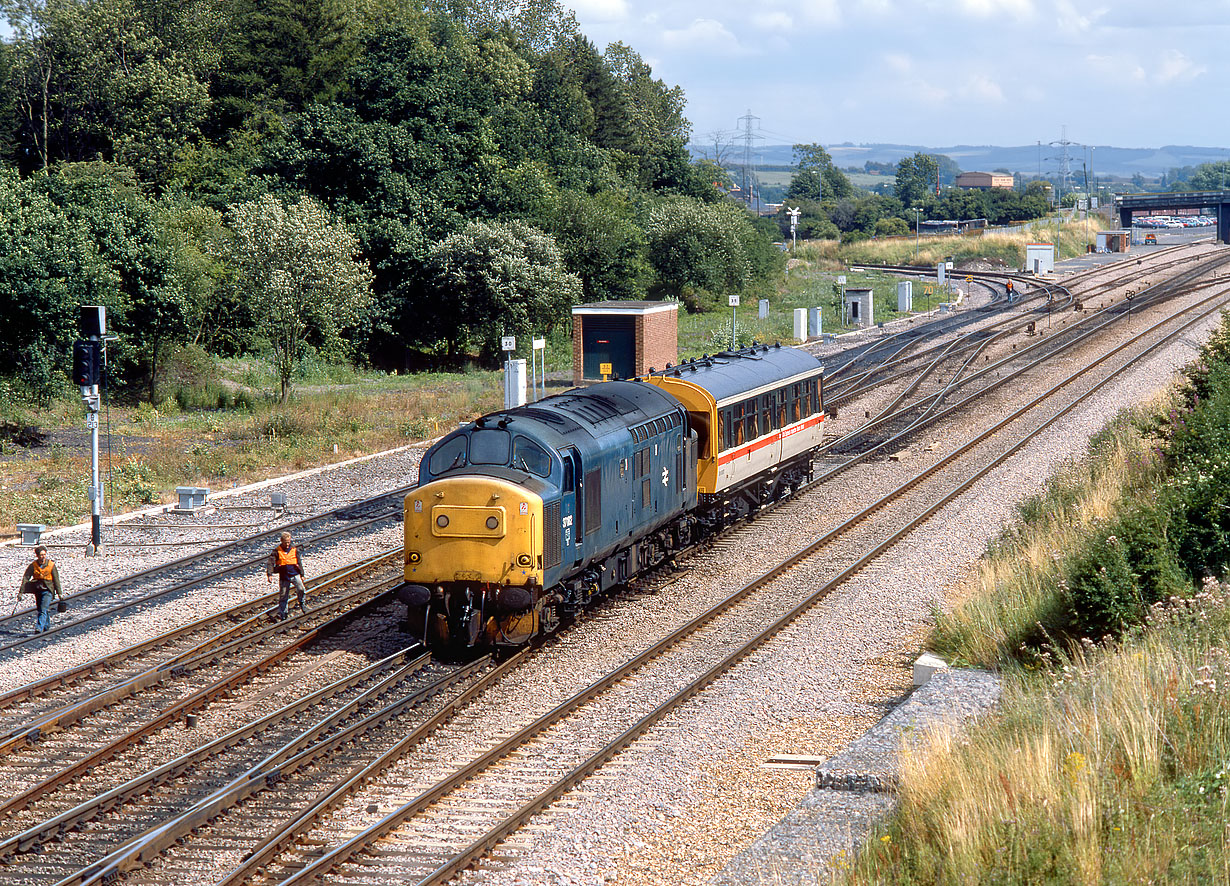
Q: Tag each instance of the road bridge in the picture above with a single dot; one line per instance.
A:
(1210, 202)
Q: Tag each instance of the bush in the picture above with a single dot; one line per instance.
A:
(1104, 594)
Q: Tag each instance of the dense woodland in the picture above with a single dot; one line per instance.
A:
(383, 180)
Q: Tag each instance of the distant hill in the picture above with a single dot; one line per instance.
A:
(1125, 162)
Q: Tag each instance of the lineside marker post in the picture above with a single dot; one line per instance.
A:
(508, 344)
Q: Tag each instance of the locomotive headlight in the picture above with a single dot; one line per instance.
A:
(493, 523)
(413, 557)
(524, 560)
(442, 521)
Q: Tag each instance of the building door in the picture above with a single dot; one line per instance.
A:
(608, 340)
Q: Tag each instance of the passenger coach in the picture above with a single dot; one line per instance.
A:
(758, 416)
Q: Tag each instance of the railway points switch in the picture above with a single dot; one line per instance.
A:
(277, 499)
(31, 533)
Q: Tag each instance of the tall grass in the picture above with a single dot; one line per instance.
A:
(1111, 765)
(156, 448)
(1004, 246)
(1018, 596)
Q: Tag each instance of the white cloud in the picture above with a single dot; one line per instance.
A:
(1112, 69)
(826, 13)
(981, 88)
(987, 9)
(703, 33)
(772, 21)
(1075, 19)
(600, 11)
(874, 8)
(1176, 67)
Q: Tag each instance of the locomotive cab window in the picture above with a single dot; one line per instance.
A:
(450, 455)
(489, 446)
(530, 457)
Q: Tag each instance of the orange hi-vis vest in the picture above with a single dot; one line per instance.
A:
(44, 573)
(285, 557)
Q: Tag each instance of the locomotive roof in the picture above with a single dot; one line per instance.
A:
(598, 408)
(732, 373)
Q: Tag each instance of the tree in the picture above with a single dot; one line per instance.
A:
(494, 278)
(699, 245)
(94, 80)
(281, 55)
(916, 178)
(298, 270)
(816, 178)
(47, 268)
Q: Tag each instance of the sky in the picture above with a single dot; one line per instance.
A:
(1130, 74)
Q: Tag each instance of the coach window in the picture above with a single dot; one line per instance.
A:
(783, 398)
(815, 396)
(766, 413)
(750, 419)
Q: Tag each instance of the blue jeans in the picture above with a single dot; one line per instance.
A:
(284, 585)
(44, 610)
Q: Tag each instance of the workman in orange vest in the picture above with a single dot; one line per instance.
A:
(287, 563)
(42, 579)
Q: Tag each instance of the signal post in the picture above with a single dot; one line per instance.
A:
(87, 372)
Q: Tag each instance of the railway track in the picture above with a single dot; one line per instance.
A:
(134, 593)
(899, 418)
(419, 816)
(892, 357)
(371, 803)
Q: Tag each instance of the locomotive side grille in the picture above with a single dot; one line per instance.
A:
(552, 553)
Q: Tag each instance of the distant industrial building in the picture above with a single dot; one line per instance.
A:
(984, 181)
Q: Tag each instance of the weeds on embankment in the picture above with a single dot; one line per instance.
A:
(1106, 609)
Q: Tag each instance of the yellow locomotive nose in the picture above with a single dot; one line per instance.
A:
(473, 529)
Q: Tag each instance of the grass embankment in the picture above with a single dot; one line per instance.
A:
(1007, 247)
(1107, 610)
(153, 450)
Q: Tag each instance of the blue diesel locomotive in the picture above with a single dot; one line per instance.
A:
(527, 515)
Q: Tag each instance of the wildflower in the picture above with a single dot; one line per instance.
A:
(886, 839)
(1073, 764)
